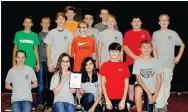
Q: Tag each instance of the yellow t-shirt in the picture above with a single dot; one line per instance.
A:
(72, 26)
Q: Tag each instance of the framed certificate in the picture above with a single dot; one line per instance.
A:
(75, 80)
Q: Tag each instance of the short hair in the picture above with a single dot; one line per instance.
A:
(82, 22)
(164, 15)
(112, 16)
(28, 17)
(114, 46)
(70, 8)
(61, 14)
(146, 42)
(22, 51)
(104, 9)
(135, 17)
(45, 18)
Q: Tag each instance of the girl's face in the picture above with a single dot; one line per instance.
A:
(89, 66)
(20, 58)
(65, 64)
(111, 22)
(163, 22)
(136, 23)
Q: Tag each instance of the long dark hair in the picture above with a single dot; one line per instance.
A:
(85, 77)
(58, 67)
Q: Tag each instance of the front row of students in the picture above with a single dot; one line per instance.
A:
(113, 80)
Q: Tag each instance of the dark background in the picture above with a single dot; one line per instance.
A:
(13, 14)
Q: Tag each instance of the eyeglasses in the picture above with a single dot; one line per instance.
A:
(66, 61)
(83, 27)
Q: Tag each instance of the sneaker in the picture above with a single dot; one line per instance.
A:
(79, 108)
(131, 104)
(40, 107)
(164, 109)
(48, 109)
(9, 109)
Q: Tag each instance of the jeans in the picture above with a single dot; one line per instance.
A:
(63, 107)
(42, 81)
(22, 106)
(87, 101)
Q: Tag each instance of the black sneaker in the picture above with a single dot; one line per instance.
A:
(78, 108)
(132, 104)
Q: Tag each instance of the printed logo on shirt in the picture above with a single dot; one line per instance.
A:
(169, 37)
(116, 38)
(142, 36)
(65, 37)
(147, 73)
(26, 41)
(26, 77)
(96, 84)
(120, 70)
(82, 43)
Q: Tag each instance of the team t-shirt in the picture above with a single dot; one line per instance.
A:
(71, 26)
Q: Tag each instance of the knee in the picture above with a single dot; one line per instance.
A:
(138, 91)
(90, 97)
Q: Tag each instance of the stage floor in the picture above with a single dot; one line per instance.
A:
(177, 103)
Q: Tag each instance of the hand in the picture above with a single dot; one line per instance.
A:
(81, 91)
(136, 57)
(14, 63)
(176, 59)
(109, 105)
(100, 64)
(51, 68)
(97, 64)
(73, 90)
(37, 68)
(121, 105)
(92, 109)
(150, 98)
(64, 77)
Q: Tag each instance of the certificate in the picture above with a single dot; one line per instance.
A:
(75, 80)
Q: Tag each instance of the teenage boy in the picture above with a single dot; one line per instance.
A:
(103, 25)
(58, 40)
(164, 41)
(27, 41)
(70, 23)
(115, 80)
(131, 42)
(148, 76)
(42, 74)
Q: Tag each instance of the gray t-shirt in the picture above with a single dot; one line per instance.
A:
(21, 79)
(101, 27)
(107, 37)
(148, 71)
(165, 43)
(42, 46)
(93, 33)
(64, 94)
(93, 88)
(59, 41)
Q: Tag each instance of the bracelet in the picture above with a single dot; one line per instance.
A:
(107, 103)
(50, 65)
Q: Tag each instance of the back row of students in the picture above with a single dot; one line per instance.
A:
(89, 42)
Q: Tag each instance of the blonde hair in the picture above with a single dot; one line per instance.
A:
(61, 14)
(164, 15)
(146, 42)
(82, 22)
(112, 16)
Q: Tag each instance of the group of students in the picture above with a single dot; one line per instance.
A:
(147, 71)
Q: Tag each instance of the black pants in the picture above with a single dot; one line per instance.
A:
(49, 93)
(115, 108)
(132, 78)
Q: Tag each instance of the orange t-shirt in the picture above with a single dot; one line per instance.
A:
(71, 26)
(82, 47)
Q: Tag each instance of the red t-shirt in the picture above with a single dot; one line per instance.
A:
(132, 40)
(115, 73)
(82, 47)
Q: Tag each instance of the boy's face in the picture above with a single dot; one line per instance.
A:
(83, 28)
(20, 58)
(110, 22)
(70, 14)
(45, 23)
(89, 66)
(163, 22)
(114, 54)
(89, 20)
(136, 23)
(104, 14)
(146, 49)
(27, 23)
(60, 21)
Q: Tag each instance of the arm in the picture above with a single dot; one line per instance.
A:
(59, 87)
(37, 58)
(34, 85)
(121, 55)
(50, 66)
(14, 55)
(70, 49)
(159, 81)
(97, 100)
(8, 86)
(138, 79)
(155, 52)
(99, 53)
(182, 47)
(129, 52)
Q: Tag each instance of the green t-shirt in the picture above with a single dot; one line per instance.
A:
(27, 42)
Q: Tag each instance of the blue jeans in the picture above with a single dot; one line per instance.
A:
(63, 107)
(87, 101)
(22, 106)
(42, 81)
